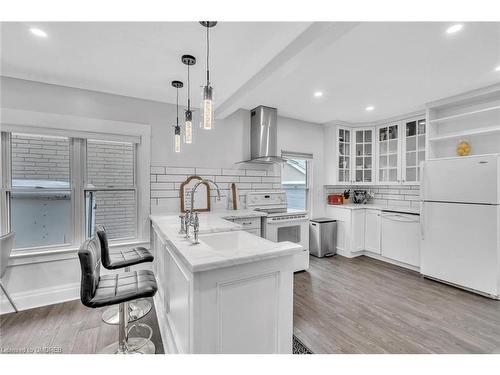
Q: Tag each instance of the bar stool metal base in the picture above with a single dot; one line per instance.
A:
(137, 309)
(148, 348)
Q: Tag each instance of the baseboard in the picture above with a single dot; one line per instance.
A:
(40, 297)
(348, 254)
(391, 261)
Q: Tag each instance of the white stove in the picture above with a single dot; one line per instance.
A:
(282, 223)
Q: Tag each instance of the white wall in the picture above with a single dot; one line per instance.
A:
(220, 148)
(299, 136)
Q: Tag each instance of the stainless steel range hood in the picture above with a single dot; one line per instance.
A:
(264, 136)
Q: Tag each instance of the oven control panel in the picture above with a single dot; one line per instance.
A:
(266, 199)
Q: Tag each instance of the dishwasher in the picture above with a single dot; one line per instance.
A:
(400, 237)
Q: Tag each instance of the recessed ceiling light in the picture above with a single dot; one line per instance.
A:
(497, 68)
(38, 32)
(318, 94)
(454, 28)
(370, 108)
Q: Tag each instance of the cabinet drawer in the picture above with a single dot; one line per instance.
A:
(248, 223)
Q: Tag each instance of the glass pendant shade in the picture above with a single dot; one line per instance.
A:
(177, 138)
(188, 127)
(207, 108)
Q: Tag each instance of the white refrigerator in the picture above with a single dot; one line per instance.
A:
(460, 222)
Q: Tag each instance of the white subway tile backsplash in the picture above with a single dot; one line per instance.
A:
(208, 171)
(251, 179)
(252, 172)
(162, 186)
(392, 195)
(271, 179)
(233, 172)
(157, 170)
(262, 186)
(179, 170)
(164, 194)
(227, 179)
(170, 178)
(166, 182)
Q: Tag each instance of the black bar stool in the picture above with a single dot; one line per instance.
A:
(113, 260)
(97, 291)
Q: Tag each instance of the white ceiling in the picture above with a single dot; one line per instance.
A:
(396, 67)
(140, 59)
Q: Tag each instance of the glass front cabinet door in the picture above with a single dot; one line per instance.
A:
(344, 156)
(388, 142)
(414, 146)
(386, 154)
(363, 156)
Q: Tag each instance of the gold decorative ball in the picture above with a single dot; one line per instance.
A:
(463, 148)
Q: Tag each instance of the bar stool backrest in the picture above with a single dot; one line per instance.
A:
(103, 239)
(90, 263)
(6, 245)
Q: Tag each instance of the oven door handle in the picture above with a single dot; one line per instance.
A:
(278, 222)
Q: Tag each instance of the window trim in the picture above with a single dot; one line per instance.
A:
(20, 121)
(309, 158)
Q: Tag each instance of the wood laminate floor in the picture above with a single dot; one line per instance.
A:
(363, 305)
(67, 327)
(341, 305)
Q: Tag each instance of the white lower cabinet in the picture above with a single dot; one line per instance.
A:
(350, 230)
(385, 235)
(372, 231)
(400, 237)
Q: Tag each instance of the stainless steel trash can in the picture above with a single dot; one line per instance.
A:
(322, 237)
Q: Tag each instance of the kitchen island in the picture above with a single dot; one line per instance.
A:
(232, 293)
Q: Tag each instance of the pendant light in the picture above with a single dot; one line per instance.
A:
(177, 128)
(207, 103)
(188, 114)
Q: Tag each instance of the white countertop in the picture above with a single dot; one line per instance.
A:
(353, 206)
(203, 257)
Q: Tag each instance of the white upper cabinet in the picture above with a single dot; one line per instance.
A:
(414, 146)
(344, 162)
(389, 153)
(355, 156)
(385, 154)
(363, 156)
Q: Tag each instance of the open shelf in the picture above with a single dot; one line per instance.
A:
(467, 133)
(473, 116)
(465, 114)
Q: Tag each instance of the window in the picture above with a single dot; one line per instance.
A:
(110, 188)
(56, 189)
(40, 194)
(295, 180)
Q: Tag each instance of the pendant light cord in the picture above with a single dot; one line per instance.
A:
(189, 92)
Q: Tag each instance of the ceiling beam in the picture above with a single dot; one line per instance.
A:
(311, 41)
